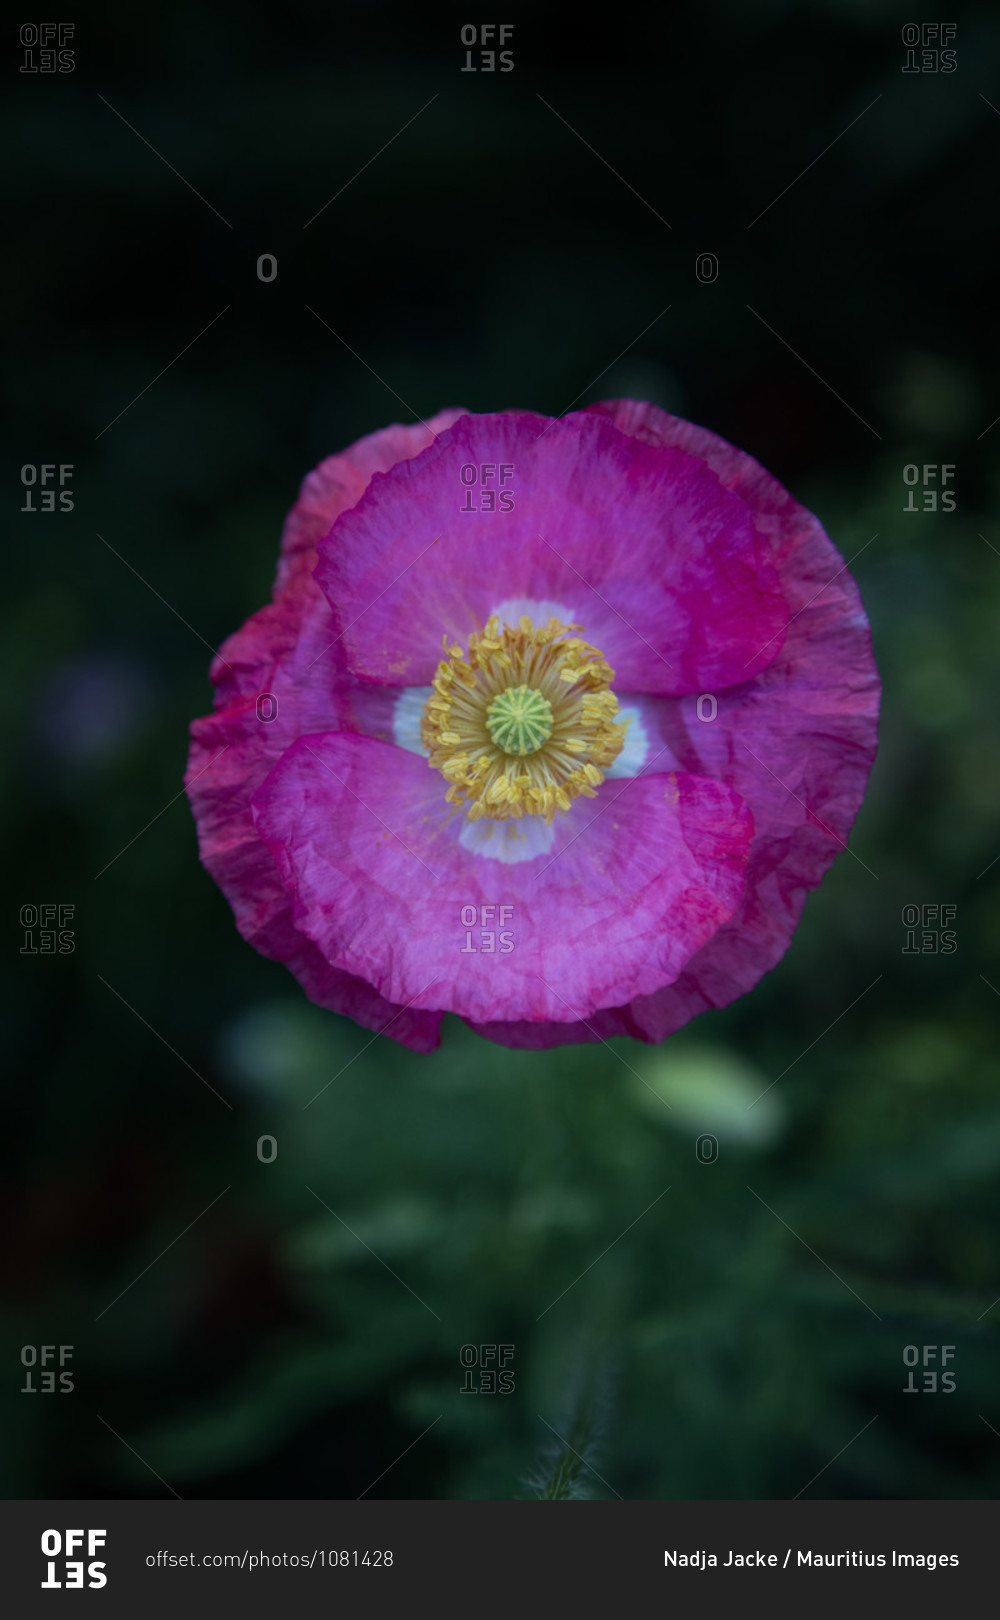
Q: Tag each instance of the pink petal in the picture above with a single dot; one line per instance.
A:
(661, 566)
(636, 881)
(339, 482)
(287, 662)
(797, 742)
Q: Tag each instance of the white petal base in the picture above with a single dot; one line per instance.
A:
(508, 841)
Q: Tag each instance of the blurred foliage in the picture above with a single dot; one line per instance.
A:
(298, 1332)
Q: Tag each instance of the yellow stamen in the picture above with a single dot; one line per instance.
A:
(524, 723)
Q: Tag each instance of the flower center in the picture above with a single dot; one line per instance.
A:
(519, 720)
(524, 723)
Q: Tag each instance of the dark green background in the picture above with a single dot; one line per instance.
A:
(489, 258)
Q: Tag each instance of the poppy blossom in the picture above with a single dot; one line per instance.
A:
(551, 724)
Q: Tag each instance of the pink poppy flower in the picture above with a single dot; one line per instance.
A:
(551, 724)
